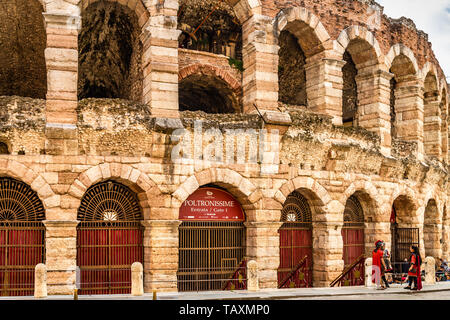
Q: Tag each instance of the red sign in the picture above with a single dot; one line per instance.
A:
(211, 204)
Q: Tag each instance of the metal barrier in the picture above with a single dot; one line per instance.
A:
(353, 275)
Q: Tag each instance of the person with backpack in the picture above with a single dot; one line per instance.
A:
(414, 274)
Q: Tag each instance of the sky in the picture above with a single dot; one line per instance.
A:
(430, 16)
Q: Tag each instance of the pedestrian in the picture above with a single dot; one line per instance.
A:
(414, 274)
(378, 266)
(387, 258)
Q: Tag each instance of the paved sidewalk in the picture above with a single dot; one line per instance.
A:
(265, 294)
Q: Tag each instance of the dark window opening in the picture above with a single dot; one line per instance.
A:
(349, 91)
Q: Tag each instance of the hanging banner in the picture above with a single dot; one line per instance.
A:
(211, 204)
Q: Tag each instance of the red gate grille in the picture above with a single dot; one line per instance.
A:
(21, 249)
(210, 254)
(295, 245)
(105, 253)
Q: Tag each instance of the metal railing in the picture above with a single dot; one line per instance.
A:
(353, 275)
(294, 273)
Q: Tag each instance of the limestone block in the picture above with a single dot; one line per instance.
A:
(40, 281)
(430, 270)
(137, 279)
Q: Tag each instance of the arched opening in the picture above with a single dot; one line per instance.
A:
(207, 93)
(4, 148)
(353, 242)
(22, 44)
(212, 242)
(349, 91)
(431, 230)
(22, 237)
(404, 232)
(291, 70)
(110, 53)
(431, 127)
(109, 238)
(296, 249)
(210, 26)
(400, 99)
(360, 57)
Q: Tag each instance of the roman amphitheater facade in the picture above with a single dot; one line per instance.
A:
(361, 113)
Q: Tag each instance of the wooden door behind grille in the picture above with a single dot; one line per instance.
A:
(109, 238)
(353, 234)
(209, 254)
(295, 244)
(105, 253)
(21, 249)
(22, 237)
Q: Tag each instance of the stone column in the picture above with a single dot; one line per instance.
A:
(260, 58)
(160, 255)
(430, 270)
(160, 61)
(409, 111)
(61, 57)
(445, 240)
(61, 255)
(374, 104)
(324, 86)
(263, 246)
(444, 136)
(431, 236)
(328, 263)
(432, 126)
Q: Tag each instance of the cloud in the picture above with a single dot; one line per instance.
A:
(431, 16)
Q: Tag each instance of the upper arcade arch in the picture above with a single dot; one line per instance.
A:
(407, 63)
(305, 26)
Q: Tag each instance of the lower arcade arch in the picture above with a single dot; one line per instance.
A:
(109, 238)
(22, 237)
(296, 249)
(212, 242)
(353, 252)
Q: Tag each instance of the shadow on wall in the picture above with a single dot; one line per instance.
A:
(22, 45)
(109, 53)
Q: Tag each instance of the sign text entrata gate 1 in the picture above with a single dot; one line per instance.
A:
(211, 204)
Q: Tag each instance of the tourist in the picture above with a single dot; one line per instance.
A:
(378, 266)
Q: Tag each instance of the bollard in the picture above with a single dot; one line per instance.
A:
(137, 279)
(154, 295)
(252, 275)
(430, 270)
(75, 294)
(40, 281)
(368, 270)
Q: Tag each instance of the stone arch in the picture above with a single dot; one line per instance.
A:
(400, 49)
(19, 171)
(133, 178)
(240, 187)
(209, 86)
(136, 6)
(300, 36)
(305, 26)
(312, 190)
(361, 53)
(402, 63)
(432, 229)
(368, 195)
(359, 41)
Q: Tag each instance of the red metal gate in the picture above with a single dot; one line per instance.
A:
(22, 237)
(354, 243)
(295, 270)
(109, 239)
(212, 242)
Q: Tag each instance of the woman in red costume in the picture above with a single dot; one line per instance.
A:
(414, 273)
